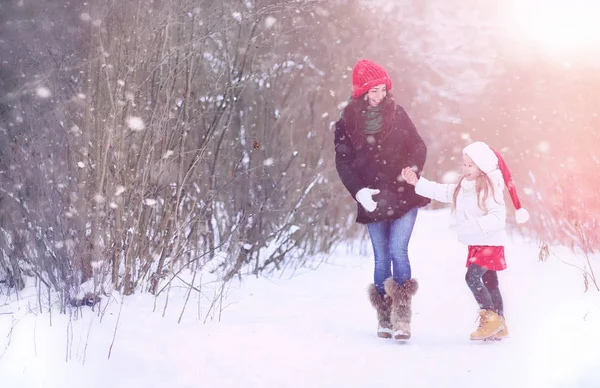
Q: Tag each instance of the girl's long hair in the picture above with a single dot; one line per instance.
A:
(354, 117)
(483, 188)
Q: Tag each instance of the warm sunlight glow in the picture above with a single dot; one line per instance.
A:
(559, 25)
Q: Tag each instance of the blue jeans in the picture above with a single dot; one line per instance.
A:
(390, 245)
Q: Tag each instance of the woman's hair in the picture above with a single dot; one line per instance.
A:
(353, 117)
(483, 187)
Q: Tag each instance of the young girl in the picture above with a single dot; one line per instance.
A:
(480, 219)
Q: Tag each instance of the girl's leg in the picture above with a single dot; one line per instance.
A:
(480, 292)
(380, 239)
(400, 232)
(490, 280)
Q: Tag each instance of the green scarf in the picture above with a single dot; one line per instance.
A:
(373, 120)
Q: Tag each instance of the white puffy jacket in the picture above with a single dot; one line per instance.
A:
(472, 225)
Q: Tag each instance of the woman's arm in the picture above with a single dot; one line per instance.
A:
(415, 146)
(344, 158)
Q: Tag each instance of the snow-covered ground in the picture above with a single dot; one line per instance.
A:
(317, 329)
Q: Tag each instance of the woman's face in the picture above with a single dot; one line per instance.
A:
(469, 169)
(376, 94)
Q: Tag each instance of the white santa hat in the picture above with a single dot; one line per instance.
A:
(488, 160)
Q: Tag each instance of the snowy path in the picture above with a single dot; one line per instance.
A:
(318, 330)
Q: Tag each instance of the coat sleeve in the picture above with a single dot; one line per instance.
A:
(415, 146)
(344, 158)
(433, 190)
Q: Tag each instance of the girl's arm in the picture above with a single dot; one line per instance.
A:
(438, 191)
(425, 188)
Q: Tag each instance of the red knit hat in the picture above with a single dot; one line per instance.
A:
(488, 160)
(366, 75)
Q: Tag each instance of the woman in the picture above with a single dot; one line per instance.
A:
(374, 139)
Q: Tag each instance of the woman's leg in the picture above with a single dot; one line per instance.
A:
(490, 280)
(480, 292)
(380, 239)
(400, 232)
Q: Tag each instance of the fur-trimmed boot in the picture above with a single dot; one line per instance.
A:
(383, 306)
(401, 313)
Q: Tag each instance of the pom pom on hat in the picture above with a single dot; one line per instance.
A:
(522, 216)
(366, 75)
(488, 159)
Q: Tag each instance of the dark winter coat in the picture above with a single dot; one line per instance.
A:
(378, 165)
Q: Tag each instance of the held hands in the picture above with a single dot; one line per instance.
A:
(364, 196)
(409, 176)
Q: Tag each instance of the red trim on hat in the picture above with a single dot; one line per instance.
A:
(508, 182)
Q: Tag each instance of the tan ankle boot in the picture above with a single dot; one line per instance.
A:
(490, 324)
(503, 333)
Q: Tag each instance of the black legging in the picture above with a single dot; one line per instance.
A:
(484, 286)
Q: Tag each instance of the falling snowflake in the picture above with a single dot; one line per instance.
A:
(43, 92)
(99, 198)
(80, 165)
(270, 21)
(237, 16)
(543, 146)
(85, 17)
(149, 202)
(113, 205)
(268, 162)
(120, 190)
(168, 154)
(135, 123)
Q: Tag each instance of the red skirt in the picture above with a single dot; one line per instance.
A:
(488, 257)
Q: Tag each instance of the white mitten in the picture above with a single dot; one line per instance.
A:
(364, 196)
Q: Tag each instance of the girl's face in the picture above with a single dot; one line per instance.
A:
(469, 169)
(376, 94)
